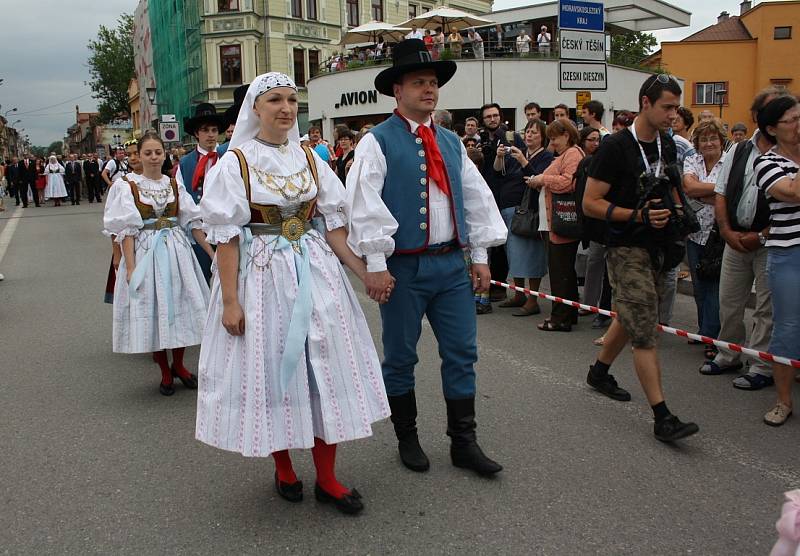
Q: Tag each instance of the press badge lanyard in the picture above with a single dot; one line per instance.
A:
(647, 167)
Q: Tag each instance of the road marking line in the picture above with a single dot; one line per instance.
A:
(8, 231)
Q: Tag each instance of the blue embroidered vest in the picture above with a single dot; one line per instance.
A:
(406, 189)
(188, 163)
(223, 148)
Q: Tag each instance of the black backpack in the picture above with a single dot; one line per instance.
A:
(593, 229)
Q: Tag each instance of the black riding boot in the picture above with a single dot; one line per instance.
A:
(404, 418)
(464, 449)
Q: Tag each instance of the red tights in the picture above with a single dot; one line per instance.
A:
(324, 460)
(160, 357)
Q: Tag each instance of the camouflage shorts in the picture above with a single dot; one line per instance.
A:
(637, 289)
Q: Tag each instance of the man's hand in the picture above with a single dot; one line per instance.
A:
(379, 285)
(734, 239)
(750, 241)
(481, 277)
(656, 218)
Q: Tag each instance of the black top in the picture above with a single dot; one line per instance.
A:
(341, 163)
(619, 163)
(507, 186)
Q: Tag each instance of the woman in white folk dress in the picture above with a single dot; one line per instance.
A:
(287, 360)
(162, 302)
(55, 188)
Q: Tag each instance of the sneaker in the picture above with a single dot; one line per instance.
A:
(671, 429)
(483, 308)
(607, 385)
(778, 415)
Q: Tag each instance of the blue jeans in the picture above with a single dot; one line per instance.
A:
(706, 294)
(437, 286)
(783, 274)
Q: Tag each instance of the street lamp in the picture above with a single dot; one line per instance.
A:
(9, 112)
(720, 99)
(151, 94)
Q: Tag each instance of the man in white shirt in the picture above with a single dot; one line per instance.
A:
(413, 242)
(592, 114)
(543, 41)
(523, 42)
(415, 33)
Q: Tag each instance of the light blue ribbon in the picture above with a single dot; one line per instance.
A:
(157, 252)
(301, 310)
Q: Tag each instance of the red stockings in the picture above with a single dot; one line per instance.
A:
(160, 357)
(283, 466)
(325, 461)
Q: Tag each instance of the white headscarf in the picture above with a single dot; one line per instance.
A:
(52, 163)
(248, 124)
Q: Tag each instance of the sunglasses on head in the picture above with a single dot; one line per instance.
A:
(662, 78)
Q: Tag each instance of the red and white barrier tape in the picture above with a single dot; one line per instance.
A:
(669, 330)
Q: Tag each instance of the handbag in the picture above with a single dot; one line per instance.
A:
(710, 263)
(564, 218)
(525, 221)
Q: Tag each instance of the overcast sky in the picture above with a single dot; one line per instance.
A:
(44, 56)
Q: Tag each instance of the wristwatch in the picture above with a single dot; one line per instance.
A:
(762, 239)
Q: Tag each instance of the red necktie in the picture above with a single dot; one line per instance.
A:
(433, 157)
(200, 170)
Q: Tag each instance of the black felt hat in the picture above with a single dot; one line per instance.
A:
(411, 55)
(232, 113)
(204, 113)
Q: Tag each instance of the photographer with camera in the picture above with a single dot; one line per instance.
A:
(507, 183)
(635, 186)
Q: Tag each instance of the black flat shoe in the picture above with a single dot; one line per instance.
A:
(290, 492)
(166, 389)
(348, 504)
(190, 382)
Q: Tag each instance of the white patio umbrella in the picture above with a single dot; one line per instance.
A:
(370, 31)
(447, 18)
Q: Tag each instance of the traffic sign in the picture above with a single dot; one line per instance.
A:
(168, 118)
(169, 131)
(581, 16)
(583, 45)
(590, 76)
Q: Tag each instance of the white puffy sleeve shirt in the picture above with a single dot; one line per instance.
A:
(372, 225)
(224, 207)
(121, 218)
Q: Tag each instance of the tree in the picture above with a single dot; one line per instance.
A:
(631, 47)
(55, 147)
(111, 68)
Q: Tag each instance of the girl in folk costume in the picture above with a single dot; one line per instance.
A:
(162, 302)
(135, 167)
(55, 188)
(287, 360)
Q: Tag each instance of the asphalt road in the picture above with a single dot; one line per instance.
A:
(94, 460)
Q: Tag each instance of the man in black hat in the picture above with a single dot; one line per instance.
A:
(414, 240)
(231, 115)
(205, 126)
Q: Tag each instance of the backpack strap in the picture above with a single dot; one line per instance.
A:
(244, 171)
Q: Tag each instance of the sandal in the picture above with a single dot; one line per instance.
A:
(550, 326)
(710, 368)
(523, 312)
(599, 341)
(513, 302)
(710, 352)
(683, 275)
(584, 312)
(752, 381)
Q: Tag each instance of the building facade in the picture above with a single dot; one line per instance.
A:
(134, 107)
(726, 64)
(203, 49)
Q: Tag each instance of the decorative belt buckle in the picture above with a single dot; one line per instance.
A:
(162, 223)
(292, 228)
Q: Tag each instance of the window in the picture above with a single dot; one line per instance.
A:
(231, 62)
(297, 8)
(227, 5)
(412, 11)
(377, 10)
(352, 13)
(313, 63)
(705, 93)
(311, 9)
(782, 33)
(300, 67)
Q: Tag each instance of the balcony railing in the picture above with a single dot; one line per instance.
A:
(506, 50)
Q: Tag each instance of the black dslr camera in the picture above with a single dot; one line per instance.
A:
(682, 219)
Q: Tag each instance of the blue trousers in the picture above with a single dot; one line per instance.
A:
(204, 260)
(706, 294)
(437, 286)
